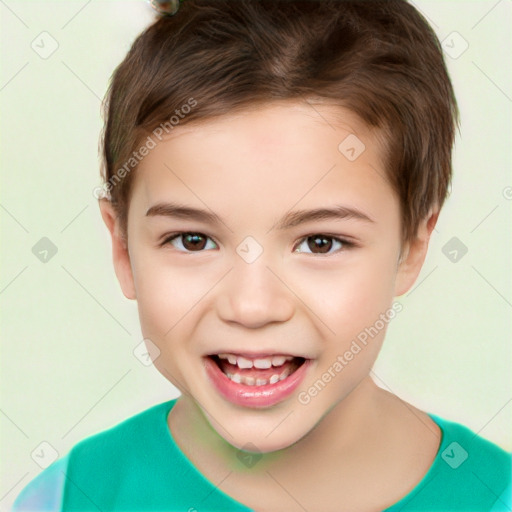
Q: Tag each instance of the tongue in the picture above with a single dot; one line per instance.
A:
(257, 373)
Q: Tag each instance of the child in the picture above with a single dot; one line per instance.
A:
(273, 172)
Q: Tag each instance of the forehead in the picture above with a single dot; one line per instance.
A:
(266, 120)
(271, 156)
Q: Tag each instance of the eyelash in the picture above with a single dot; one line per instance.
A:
(346, 244)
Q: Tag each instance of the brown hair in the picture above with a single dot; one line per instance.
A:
(380, 59)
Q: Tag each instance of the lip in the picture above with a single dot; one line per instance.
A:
(255, 396)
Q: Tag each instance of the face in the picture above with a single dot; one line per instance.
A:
(264, 312)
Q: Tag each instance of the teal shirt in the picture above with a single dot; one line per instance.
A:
(136, 465)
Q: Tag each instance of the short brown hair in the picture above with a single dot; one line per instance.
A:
(380, 59)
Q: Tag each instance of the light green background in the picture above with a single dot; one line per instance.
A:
(67, 367)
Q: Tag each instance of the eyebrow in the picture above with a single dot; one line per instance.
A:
(290, 220)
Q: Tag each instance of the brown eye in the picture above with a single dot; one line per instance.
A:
(323, 244)
(320, 242)
(189, 242)
(194, 241)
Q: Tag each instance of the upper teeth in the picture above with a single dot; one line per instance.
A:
(260, 363)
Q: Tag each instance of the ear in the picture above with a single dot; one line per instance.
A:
(413, 255)
(120, 254)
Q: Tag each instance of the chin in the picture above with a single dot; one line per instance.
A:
(264, 431)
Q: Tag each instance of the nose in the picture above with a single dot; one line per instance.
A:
(254, 295)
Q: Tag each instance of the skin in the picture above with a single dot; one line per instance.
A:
(250, 170)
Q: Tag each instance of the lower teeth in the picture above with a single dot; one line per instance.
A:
(251, 381)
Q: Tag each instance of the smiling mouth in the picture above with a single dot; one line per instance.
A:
(257, 371)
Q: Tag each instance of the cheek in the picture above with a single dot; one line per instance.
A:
(353, 305)
(166, 298)
(166, 295)
(371, 293)
(351, 297)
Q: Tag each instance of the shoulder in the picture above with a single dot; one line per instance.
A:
(462, 446)
(113, 441)
(504, 501)
(44, 492)
(98, 455)
(477, 466)
(104, 459)
(469, 473)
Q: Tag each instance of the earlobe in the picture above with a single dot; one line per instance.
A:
(414, 255)
(120, 254)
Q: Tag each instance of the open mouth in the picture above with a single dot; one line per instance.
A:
(257, 371)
